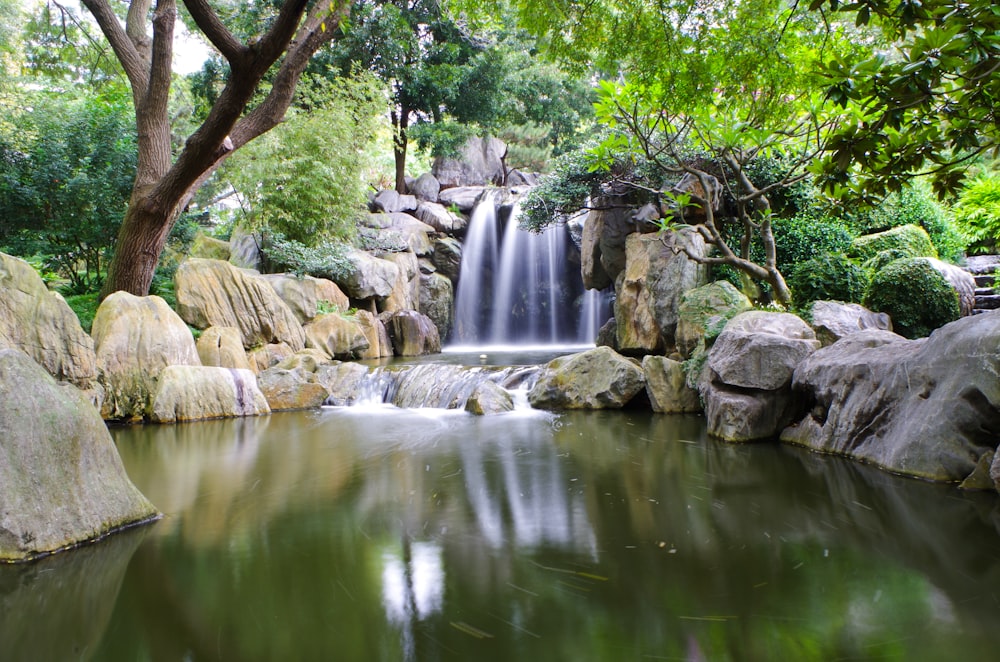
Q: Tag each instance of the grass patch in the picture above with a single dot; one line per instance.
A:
(85, 307)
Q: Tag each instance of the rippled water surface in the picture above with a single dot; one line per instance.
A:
(383, 534)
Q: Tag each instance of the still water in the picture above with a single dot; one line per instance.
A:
(382, 534)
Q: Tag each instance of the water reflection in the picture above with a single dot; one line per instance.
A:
(393, 535)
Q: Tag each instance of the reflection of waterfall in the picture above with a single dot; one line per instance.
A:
(517, 286)
(412, 588)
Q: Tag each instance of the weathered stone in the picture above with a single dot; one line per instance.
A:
(439, 217)
(741, 416)
(436, 300)
(701, 306)
(344, 382)
(833, 320)
(379, 345)
(489, 398)
(135, 339)
(599, 378)
(338, 336)
(648, 292)
(268, 356)
(602, 250)
(244, 249)
(706, 188)
(405, 293)
(210, 248)
(980, 478)
(41, 324)
(607, 335)
(222, 346)
(194, 393)
(215, 293)
(292, 389)
(368, 276)
(760, 350)
(463, 198)
(415, 233)
(480, 162)
(666, 387)
(447, 257)
(927, 408)
(425, 187)
(389, 201)
(307, 359)
(591, 269)
(411, 333)
(961, 280)
(62, 480)
(306, 296)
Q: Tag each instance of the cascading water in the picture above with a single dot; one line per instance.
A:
(520, 287)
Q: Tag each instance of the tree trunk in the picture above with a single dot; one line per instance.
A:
(399, 146)
(141, 240)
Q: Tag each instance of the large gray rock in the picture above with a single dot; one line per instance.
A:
(603, 243)
(425, 187)
(648, 291)
(268, 356)
(439, 217)
(305, 296)
(447, 257)
(292, 389)
(244, 249)
(704, 309)
(61, 480)
(368, 276)
(379, 345)
(222, 346)
(437, 298)
(135, 339)
(480, 162)
(345, 382)
(389, 201)
(833, 320)
(41, 324)
(464, 198)
(194, 393)
(338, 336)
(960, 279)
(666, 386)
(411, 333)
(489, 398)
(599, 378)
(927, 408)
(747, 385)
(405, 293)
(215, 293)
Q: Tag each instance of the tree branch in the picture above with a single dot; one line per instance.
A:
(132, 60)
(217, 33)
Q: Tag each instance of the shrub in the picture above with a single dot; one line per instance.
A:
(977, 212)
(827, 277)
(327, 260)
(912, 240)
(915, 295)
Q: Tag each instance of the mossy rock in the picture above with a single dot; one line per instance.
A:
(210, 247)
(704, 311)
(911, 240)
(915, 295)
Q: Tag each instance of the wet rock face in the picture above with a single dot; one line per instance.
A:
(927, 408)
(599, 378)
(194, 393)
(412, 334)
(61, 480)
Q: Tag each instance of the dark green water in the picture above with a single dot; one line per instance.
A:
(416, 535)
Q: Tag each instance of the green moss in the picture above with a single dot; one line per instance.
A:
(912, 240)
(915, 295)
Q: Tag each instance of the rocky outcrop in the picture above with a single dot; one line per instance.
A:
(297, 388)
(63, 481)
(222, 346)
(135, 339)
(479, 162)
(267, 356)
(657, 273)
(307, 296)
(411, 333)
(215, 293)
(437, 297)
(439, 217)
(338, 336)
(599, 378)
(447, 256)
(927, 408)
(379, 344)
(463, 198)
(747, 386)
(833, 320)
(39, 323)
(666, 386)
(344, 382)
(193, 393)
(244, 249)
(405, 293)
(706, 309)
(368, 276)
(602, 249)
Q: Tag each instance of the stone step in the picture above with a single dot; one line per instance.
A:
(982, 264)
(984, 291)
(990, 302)
(985, 280)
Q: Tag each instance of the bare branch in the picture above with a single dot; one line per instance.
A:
(217, 33)
(134, 62)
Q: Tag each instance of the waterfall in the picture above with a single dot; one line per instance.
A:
(520, 287)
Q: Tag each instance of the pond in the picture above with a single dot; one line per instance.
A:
(386, 534)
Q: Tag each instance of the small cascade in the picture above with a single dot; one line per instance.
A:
(595, 310)
(520, 287)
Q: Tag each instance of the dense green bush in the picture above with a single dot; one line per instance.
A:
(915, 295)
(977, 212)
(915, 205)
(827, 277)
(326, 260)
(911, 240)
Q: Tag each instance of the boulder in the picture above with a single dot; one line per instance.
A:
(607, 335)
(928, 408)
(344, 381)
(436, 300)
(666, 386)
(706, 309)
(425, 187)
(439, 217)
(599, 378)
(411, 333)
(463, 198)
(135, 339)
(479, 162)
(961, 280)
(222, 346)
(746, 386)
(389, 201)
(194, 393)
(833, 320)
(63, 481)
(244, 249)
(414, 233)
(368, 276)
(210, 248)
(215, 293)
(648, 291)
(40, 323)
(337, 336)
(489, 398)
(405, 293)
(447, 257)
(602, 250)
(267, 356)
(707, 187)
(379, 345)
(292, 389)
(306, 296)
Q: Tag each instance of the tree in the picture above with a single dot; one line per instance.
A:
(926, 105)
(143, 43)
